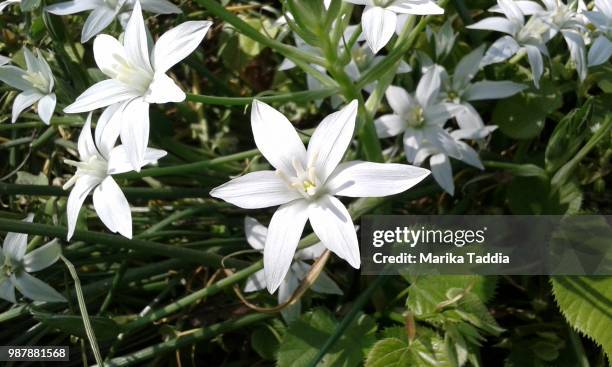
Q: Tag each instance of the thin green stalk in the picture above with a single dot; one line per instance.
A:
(188, 338)
(146, 248)
(84, 314)
(304, 96)
(142, 193)
(348, 319)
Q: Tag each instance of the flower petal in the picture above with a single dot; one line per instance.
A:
(468, 118)
(255, 232)
(160, 7)
(389, 125)
(500, 50)
(577, 48)
(285, 291)
(536, 62)
(14, 77)
(256, 190)
(442, 172)
(15, 244)
(284, 233)
(109, 54)
(100, 18)
(163, 90)
(46, 107)
(368, 179)
(108, 128)
(255, 282)
(102, 94)
(24, 100)
(85, 145)
(400, 101)
(119, 159)
(378, 26)
(276, 138)
(79, 192)
(333, 225)
(600, 51)
(42, 257)
(487, 89)
(331, 139)
(35, 289)
(135, 131)
(112, 207)
(311, 253)
(177, 43)
(498, 24)
(429, 86)
(416, 7)
(7, 289)
(467, 68)
(135, 39)
(72, 7)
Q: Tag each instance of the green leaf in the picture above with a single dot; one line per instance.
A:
(26, 178)
(104, 328)
(586, 303)
(266, 340)
(391, 352)
(427, 350)
(523, 115)
(427, 292)
(307, 335)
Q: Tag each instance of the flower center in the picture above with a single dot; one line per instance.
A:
(416, 117)
(38, 81)
(532, 32)
(134, 76)
(453, 96)
(94, 166)
(304, 180)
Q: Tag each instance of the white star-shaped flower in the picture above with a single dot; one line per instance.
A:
(256, 234)
(380, 17)
(530, 36)
(103, 12)
(16, 266)
(138, 77)
(98, 162)
(36, 84)
(305, 184)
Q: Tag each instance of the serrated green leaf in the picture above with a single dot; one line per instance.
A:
(307, 335)
(391, 352)
(427, 350)
(586, 303)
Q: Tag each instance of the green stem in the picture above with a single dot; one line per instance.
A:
(145, 247)
(304, 96)
(348, 319)
(190, 338)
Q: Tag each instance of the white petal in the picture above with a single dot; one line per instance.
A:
(487, 89)
(286, 64)
(24, 100)
(442, 172)
(331, 139)
(512, 11)
(429, 86)
(527, 7)
(135, 39)
(42, 257)
(14, 77)
(577, 48)
(417, 7)
(31, 62)
(163, 90)
(15, 244)
(600, 51)
(498, 24)
(284, 234)
(333, 225)
(35, 289)
(7, 289)
(311, 253)
(4, 60)
(86, 146)
(276, 138)
(468, 117)
(46, 106)
(389, 125)
(255, 232)
(135, 131)
(108, 128)
(500, 50)
(536, 62)
(72, 7)
(378, 26)
(288, 286)
(467, 68)
(285, 291)
(368, 179)
(441, 140)
(400, 101)
(261, 189)
(469, 156)
(112, 207)
(412, 143)
(160, 7)
(100, 18)
(109, 54)
(256, 282)
(102, 94)
(119, 159)
(79, 192)
(176, 44)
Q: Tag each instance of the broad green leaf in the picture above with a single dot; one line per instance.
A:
(427, 292)
(523, 115)
(307, 335)
(391, 352)
(266, 339)
(103, 327)
(264, 26)
(26, 178)
(586, 303)
(427, 350)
